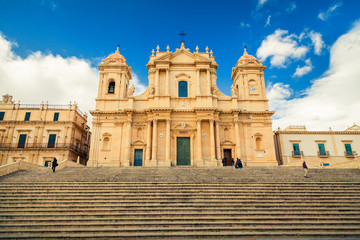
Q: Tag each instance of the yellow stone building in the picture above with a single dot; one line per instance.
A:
(182, 118)
(333, 149)
(37, 133)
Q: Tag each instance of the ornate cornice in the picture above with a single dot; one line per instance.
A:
(317, 132)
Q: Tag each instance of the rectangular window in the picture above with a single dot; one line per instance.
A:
(348, 149)
(52, 140)
(322, 151)
(183, 89)
(27, 116)
(22, 141)
(296, 149)
(56, 117)
(2, 116)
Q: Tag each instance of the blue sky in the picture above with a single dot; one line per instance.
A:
(49, 44)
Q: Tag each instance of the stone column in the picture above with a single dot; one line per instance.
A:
(154, 142)
(238, 154)
(199, 147)
(167, 83)
(212, 140)
(198, 81)
(128, 145)
(157, 78)
(208, 80)
(218, 149)
(167, 155)
(148, 141)
(120, 125)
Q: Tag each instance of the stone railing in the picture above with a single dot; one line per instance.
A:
(16, 166)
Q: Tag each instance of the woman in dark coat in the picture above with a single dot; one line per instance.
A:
(54, 164)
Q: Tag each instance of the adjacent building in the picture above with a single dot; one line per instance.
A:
(182, 118)
(337, 149)
(37, 133)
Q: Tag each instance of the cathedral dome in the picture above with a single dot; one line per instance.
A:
(116, 57)
(246, 58)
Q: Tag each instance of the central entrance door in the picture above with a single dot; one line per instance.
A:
(227, 156)
(138, 157)
(183, 151)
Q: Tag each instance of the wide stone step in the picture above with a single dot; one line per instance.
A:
(205, 230)
(182, 214)
(153, 224)
(190, 235)
(137, 205)
(177, 209)
(219, 218)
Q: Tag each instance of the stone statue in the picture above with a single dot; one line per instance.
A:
(233, 91)
(214, 90)
(152, 90)
(7, 99)
(131, 90)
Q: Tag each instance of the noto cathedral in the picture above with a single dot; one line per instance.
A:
(182, 118)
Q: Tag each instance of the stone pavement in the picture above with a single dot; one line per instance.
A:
(184, 175)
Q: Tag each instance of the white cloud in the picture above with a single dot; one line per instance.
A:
(244, 25)
(301, 71)
(317, 41)
(291, 8)
(331, 101)
(139, 87)
(267, 21)
(47, 77)
(279, 47)
(260, 4)
(325, 15)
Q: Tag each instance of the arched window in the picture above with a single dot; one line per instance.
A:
(183, 89)
(111, 88)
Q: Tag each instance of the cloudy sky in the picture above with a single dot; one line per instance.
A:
(49, 49)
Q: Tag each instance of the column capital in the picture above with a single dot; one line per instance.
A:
(168, 120)
(211, 121)
(155, 120)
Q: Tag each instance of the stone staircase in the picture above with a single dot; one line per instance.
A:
(55, 207)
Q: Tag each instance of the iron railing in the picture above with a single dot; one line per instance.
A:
(349, 154)
(39, 146)
(297, 153)
(323, 154)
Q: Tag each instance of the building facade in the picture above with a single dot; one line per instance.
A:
(336, 149)
(182, 118)
(37, 133)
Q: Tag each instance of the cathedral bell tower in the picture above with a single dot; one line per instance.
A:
(249, 84)
(115, 75)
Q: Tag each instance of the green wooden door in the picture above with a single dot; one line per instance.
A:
(138, 157)
(183, 151)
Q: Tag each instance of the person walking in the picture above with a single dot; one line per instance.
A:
(305, 168)
(54, 164)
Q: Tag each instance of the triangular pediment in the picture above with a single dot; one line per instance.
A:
(182, 56)
(353, 128)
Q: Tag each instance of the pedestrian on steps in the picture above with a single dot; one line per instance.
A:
(305, 168)
(54, 164)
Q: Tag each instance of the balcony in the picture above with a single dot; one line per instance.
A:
(323, 154)
(297, 154)
(42, 146)
(350, 154)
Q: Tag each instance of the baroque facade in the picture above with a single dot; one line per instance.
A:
(334, 149)
(182, 118)
(37, 133)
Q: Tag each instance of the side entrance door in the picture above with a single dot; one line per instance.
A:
(227, 156)
(183, 151)
(138, 157)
